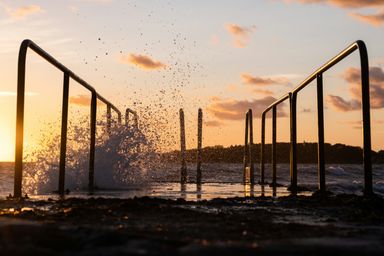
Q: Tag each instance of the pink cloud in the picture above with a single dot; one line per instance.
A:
(24, 11)
(352, 76)
(344, 3)
(142, 61)
(240, 34)
(373, 19)
(262, 81)
(229, 109)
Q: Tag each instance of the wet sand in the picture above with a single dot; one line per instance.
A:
(336, 225)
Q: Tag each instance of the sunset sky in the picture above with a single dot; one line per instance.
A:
(222, 56)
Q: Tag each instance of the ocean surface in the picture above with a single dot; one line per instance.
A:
(219, 181)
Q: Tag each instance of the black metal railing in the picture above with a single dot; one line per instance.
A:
(128, 112)
(272, 107)
(249, 168)
(64, 120)
(292, 96)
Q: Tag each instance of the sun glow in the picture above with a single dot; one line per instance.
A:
(6, 144)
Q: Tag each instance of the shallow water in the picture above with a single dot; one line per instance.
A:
(219, 181)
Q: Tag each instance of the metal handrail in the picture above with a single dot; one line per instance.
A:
(64, 121)
(135, 118)
(318, 75)
(273, 106)
(248, 148)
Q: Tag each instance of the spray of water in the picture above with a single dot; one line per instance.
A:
(123, 157)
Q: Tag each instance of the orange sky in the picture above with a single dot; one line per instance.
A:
(157, 57)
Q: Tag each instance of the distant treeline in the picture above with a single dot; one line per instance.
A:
(306, 153)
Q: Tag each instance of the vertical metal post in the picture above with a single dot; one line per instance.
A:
(245, 157)
(368, 190)
(320, 131)
(262, 148)
(293, 151)
(127, 117)
(136, 120)
(20, 120)
(199, 144)
(109, 119)
(64, 131)
(93, 142)
(251, 165)
(119, 118)
(183, 170)
(274, 146)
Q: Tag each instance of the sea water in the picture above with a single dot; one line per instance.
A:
(220, 180)
(127, 164)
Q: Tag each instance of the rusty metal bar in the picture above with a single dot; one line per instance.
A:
(183, 170)
(199, 145)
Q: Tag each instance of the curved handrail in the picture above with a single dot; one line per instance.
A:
(20, 115)
(135, 117)
(358, 45)
(262, 144)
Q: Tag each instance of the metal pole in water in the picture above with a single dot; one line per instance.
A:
(199, 144)
(262, 146)
(109, 119)
(20, 121)
(320, 131)
(245, 158)
(251, 165)
(64, 130)
(93, 142)
(127, 117)
(274, 145)
(293, 153)
(183, 170)
(368, 189)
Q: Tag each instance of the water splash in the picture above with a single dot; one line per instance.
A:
(123, 157)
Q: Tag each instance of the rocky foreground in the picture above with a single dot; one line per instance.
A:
(336, 225)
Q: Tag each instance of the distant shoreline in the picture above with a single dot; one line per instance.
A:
(306, 154)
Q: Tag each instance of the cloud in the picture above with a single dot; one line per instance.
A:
(228, 109)
(262, 81)
(264, 92)
(23, 11)
(213, 123)
(352, 76)
(81, 100)
(373, 19)
(232, 88)
(344, 3)
(376, 75)
(240, 34)
(142, 61)
(97, 1)
(343, 105)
